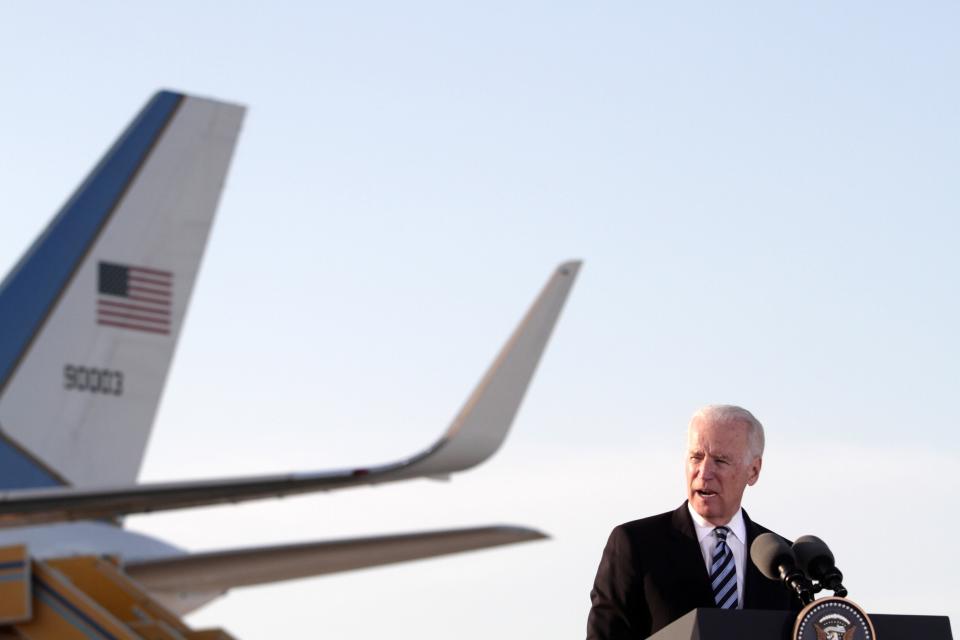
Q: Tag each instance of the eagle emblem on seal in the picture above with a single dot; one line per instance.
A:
(835, 632)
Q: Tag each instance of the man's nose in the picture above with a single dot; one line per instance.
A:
(707, 469)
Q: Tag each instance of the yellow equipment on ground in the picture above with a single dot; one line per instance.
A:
(82, 598)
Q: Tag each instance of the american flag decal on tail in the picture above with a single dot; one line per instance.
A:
(134, 298)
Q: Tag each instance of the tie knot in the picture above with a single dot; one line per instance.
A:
(721, 533)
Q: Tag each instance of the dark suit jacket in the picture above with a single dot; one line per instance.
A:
(652, 572)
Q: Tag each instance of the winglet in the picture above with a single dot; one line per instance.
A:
(481, 427)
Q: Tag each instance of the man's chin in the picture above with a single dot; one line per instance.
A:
(707, 508)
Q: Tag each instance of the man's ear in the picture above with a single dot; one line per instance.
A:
(754, 471)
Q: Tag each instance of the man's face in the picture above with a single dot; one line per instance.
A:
(719, 468)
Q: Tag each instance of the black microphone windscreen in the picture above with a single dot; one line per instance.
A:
(769, 551)
(812, 555)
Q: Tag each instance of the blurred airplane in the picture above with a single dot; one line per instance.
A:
(89, 319)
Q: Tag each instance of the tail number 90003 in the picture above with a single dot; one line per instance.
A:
(105, 381)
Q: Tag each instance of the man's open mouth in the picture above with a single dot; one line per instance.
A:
(703, 493)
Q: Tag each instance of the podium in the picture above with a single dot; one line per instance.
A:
(725, 624)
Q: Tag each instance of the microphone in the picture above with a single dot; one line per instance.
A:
(816, 560)
(775, 559)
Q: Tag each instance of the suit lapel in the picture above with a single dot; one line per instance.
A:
(690, 559)
(753, 578)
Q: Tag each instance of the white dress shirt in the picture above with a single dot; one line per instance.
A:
(736, 540)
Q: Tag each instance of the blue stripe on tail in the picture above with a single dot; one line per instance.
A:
(18, 470)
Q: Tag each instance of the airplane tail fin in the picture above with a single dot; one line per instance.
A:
(90, 316)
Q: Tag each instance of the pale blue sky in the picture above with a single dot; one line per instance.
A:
(765, 198)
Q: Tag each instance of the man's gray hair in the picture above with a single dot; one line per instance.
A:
(722, 413)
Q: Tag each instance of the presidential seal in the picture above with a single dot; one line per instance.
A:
(833, 619)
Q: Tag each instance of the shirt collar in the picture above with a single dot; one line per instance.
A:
(736, 525)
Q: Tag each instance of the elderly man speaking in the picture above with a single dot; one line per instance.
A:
(656, 569)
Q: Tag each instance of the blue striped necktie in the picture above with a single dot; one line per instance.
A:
(723, 572)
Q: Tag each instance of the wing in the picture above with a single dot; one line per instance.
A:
(474, 435)
(184, 583)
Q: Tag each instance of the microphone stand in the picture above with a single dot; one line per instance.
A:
(794, 579)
